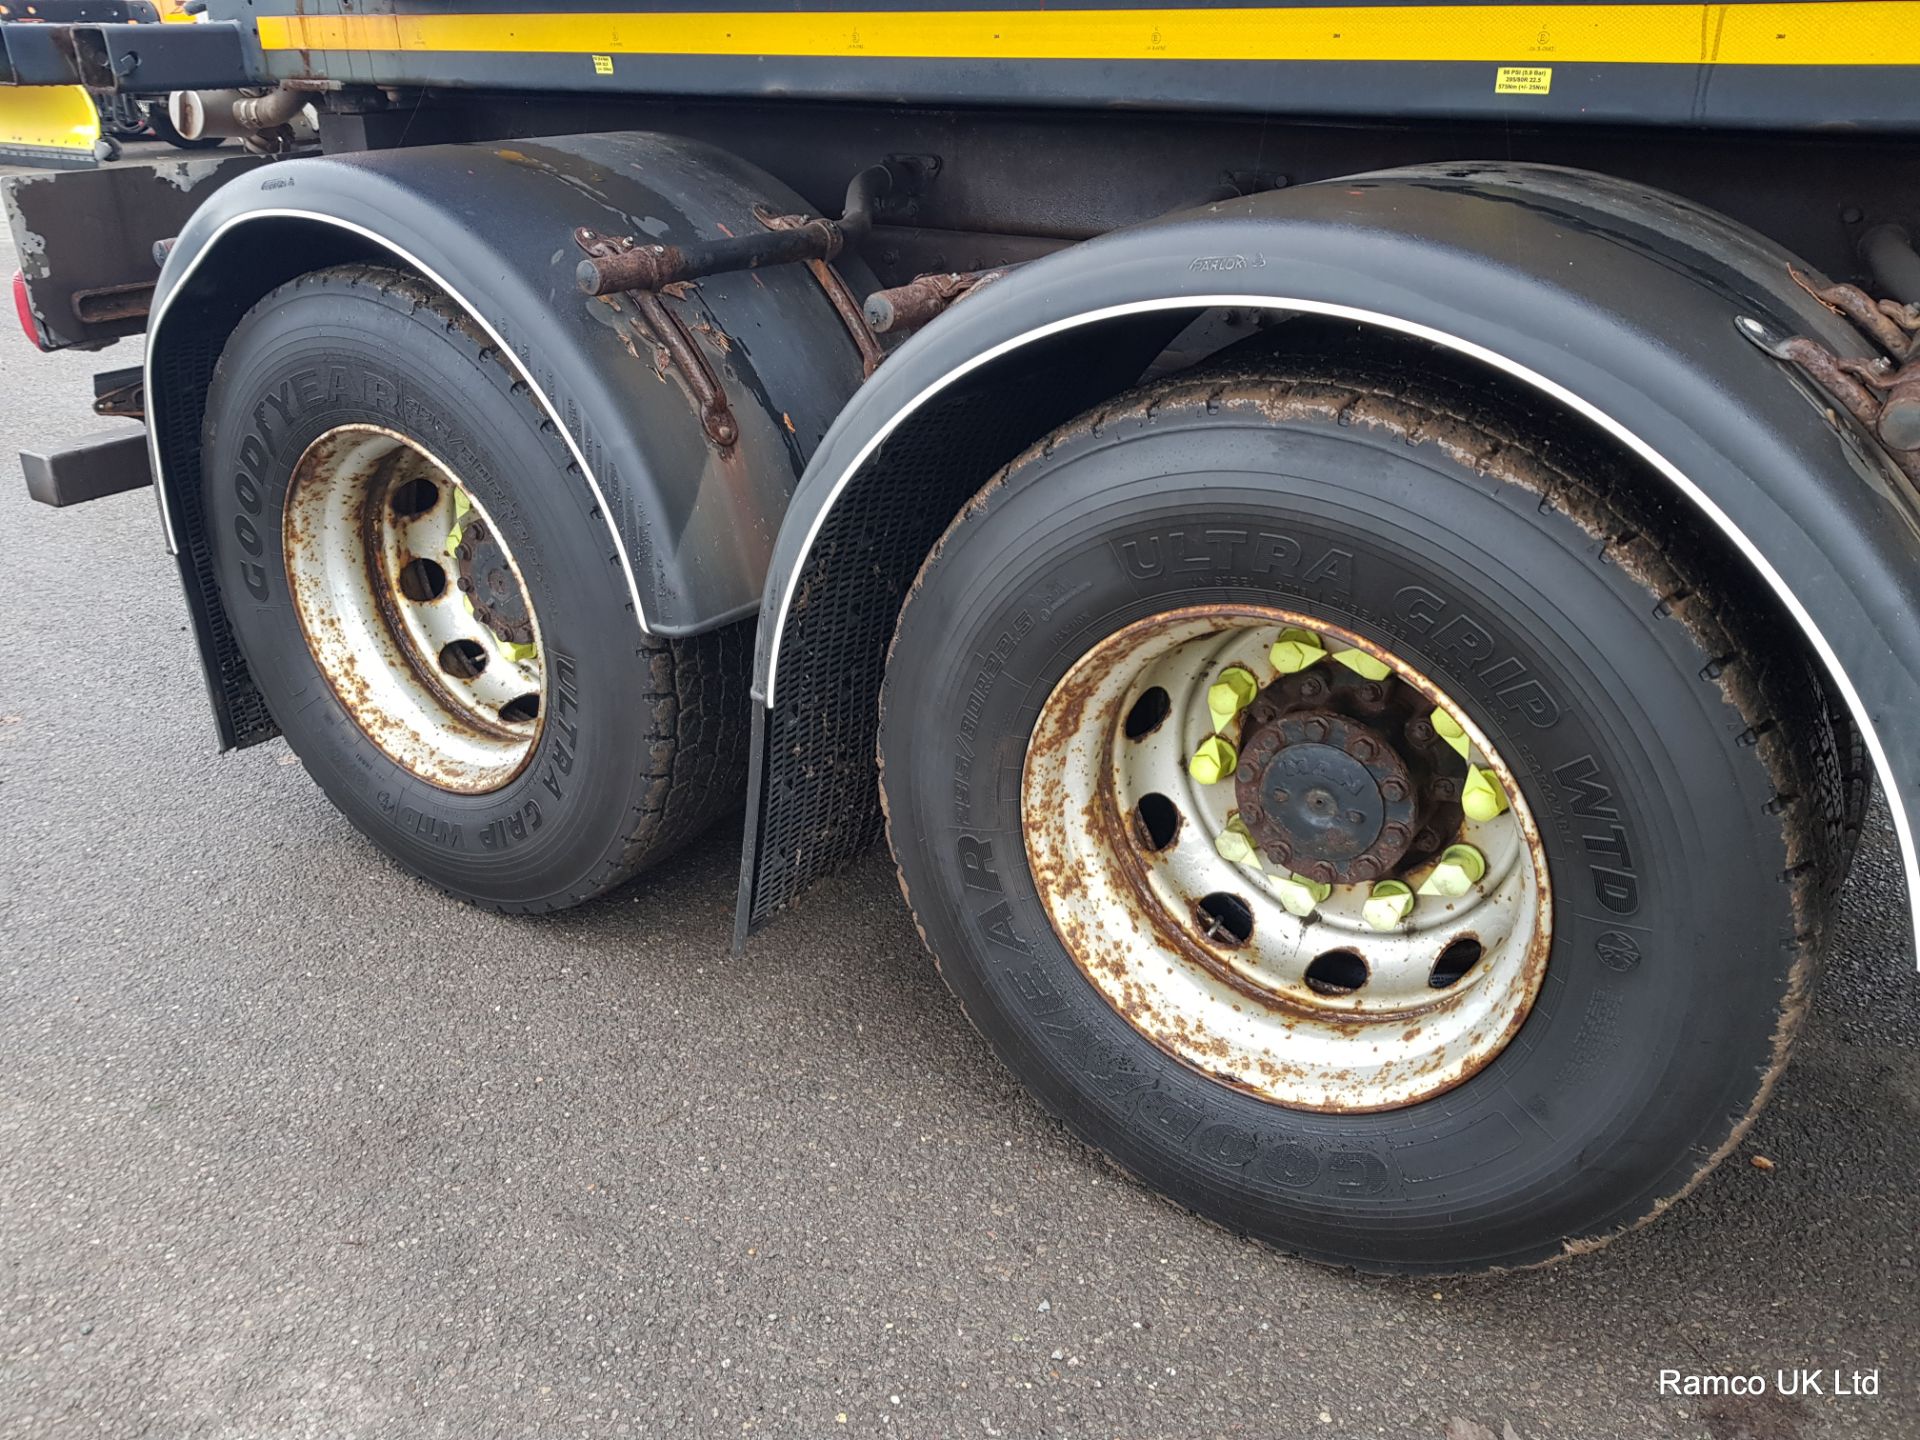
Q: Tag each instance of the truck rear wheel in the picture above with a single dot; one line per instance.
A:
(1354, 821)
(428, 599)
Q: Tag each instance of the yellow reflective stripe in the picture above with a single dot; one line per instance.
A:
(1858, 32)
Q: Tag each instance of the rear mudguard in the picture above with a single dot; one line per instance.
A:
(1618, 304)
(691, 521)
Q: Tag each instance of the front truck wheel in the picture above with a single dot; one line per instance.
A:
(1365, 825)
(431, 605)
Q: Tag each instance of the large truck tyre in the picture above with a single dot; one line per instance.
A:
(1360, 817)
(425, 593)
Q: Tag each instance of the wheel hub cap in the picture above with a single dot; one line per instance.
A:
(487, 579)
(1343, 780)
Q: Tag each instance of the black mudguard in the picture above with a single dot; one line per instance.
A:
(692, 521)
(1618, 303)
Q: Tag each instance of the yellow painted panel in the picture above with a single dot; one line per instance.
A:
(49, 117)
(1856, 32)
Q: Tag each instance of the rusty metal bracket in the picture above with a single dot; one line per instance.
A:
(921, 299)
(120, 393)
(674, 348)
(103, 303)
(844, 303)
(1883, 393)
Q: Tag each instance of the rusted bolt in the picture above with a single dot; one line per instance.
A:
(1900, 417)
(1389, 904)
(1448, 729)
(1364, 867)
(1481, 797)
(1298, 895)
(1314, 727)
(1419, 731)
(1320, 870)
(1363, 749)
(1367, 667)
(1393, 790)
(1213, 761)
(1231, 694)
(1312, 687)
(1235, 843)
(1393, 831)
(1295, 650)
(1245, 773)
(1461, 867)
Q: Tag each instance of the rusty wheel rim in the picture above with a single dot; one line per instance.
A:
(1162, 882)
(414, 608)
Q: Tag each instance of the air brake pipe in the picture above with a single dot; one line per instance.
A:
(653, 267)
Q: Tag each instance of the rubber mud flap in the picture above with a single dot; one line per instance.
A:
(1687, 897)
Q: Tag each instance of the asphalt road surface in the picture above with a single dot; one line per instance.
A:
(292, 1145)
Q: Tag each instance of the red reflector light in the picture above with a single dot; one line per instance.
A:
(23, 307)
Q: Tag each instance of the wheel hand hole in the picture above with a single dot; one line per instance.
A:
(1336, 972)
(1147, 713)
(463, 659)
(1456, 960)
(422, 580)
(415, 497)
(520, 709)
(1156, 821)
(1224, 919)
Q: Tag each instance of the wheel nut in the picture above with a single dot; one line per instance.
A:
(1213, 761)
(1449, 730)
(1295, 650)
(1364, 665)
(1231, 694)
(517, 652)
(1389, 904)
(1298, 895)
(1459, 870)
(1481, 797)
(1235, 843)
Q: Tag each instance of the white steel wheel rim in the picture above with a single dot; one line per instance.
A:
(372, 535)
(1244, 1011)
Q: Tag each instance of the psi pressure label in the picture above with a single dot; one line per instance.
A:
(1523, 80)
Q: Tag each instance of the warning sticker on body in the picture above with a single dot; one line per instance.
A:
(603, 65)
(1523, 80)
